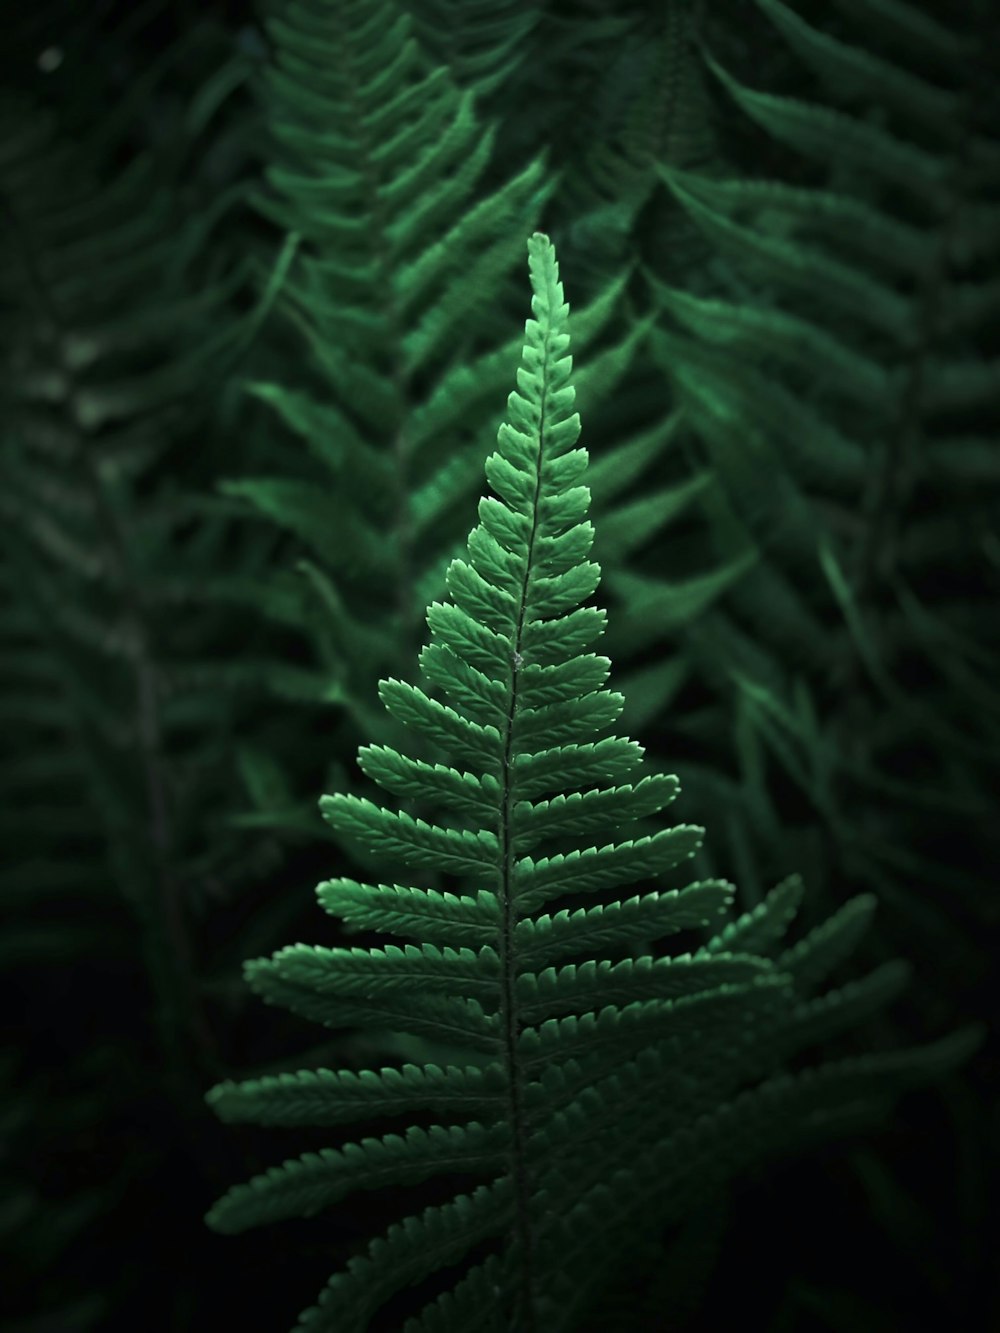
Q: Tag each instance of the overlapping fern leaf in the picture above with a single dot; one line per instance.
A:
(479, 42)
(115, 319)
(587, 1095)
(844, 379)
(373, 162)
(381, 166)
(117, 331)
(649, 106)
(384, 169)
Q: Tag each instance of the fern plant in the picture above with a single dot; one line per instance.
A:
(371, 491)
(593, 1099)
(116, 326)
(97, 389)
(844, 382)
(373, 159)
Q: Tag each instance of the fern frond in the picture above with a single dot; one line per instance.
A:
(833, 373)
(379, 298)
(652, 1058)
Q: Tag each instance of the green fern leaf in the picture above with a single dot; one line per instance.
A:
(819, 132)
(650, 1057)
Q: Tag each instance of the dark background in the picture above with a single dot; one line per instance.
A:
(110, 1157)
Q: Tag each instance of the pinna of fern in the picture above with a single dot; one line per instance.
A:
(588, 1102)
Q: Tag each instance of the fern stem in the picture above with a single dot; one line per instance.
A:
(508, 978)
(168, 947)
(409, 617)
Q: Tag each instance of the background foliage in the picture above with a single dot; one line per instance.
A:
(778, 230)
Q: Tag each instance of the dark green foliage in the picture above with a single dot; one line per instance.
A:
(100, 387)
(118, 324)
(844, 384)
(225, 511)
